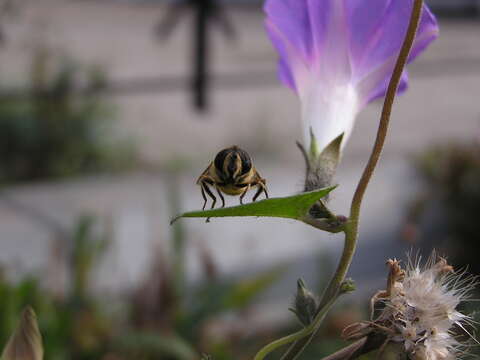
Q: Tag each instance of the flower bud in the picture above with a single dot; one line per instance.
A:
(26, 341)
(322, 165)
(305, 304)
(348, 285)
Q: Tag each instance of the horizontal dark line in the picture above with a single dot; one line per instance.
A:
(248, 80)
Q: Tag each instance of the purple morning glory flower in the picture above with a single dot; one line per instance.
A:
(338, 55)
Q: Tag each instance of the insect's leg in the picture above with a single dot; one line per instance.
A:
(264, 187)
(209, 193)
(221, 196)
(244, 193)
(259, 191)
(261, 188)
(204, 197)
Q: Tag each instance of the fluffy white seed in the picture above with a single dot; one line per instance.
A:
(421, 308)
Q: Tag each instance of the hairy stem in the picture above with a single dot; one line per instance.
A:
(351, 228)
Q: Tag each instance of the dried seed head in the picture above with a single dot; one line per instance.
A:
(420, 307)
(356, 331)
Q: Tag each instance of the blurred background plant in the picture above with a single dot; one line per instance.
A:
(444, 214)
(59, 126)
(73, 324)
(166, 316)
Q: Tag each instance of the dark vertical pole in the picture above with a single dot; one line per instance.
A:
(200, 58)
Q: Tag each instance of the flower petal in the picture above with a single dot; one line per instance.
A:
(380, 29)
(339, 55)
(290, 18)
(310, 33)
(339, 40)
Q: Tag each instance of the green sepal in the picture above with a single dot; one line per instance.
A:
(314, 150)
(290, 207)
(330, 156)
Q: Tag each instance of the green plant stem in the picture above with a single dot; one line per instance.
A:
(351, 228)
(299, 334)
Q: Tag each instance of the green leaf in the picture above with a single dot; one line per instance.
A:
(291, 207)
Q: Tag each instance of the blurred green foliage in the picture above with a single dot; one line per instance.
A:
(73, 325)
(58, 127)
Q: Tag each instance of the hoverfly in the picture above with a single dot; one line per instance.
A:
(231, 173)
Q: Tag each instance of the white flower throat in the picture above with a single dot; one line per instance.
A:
(329, 110)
